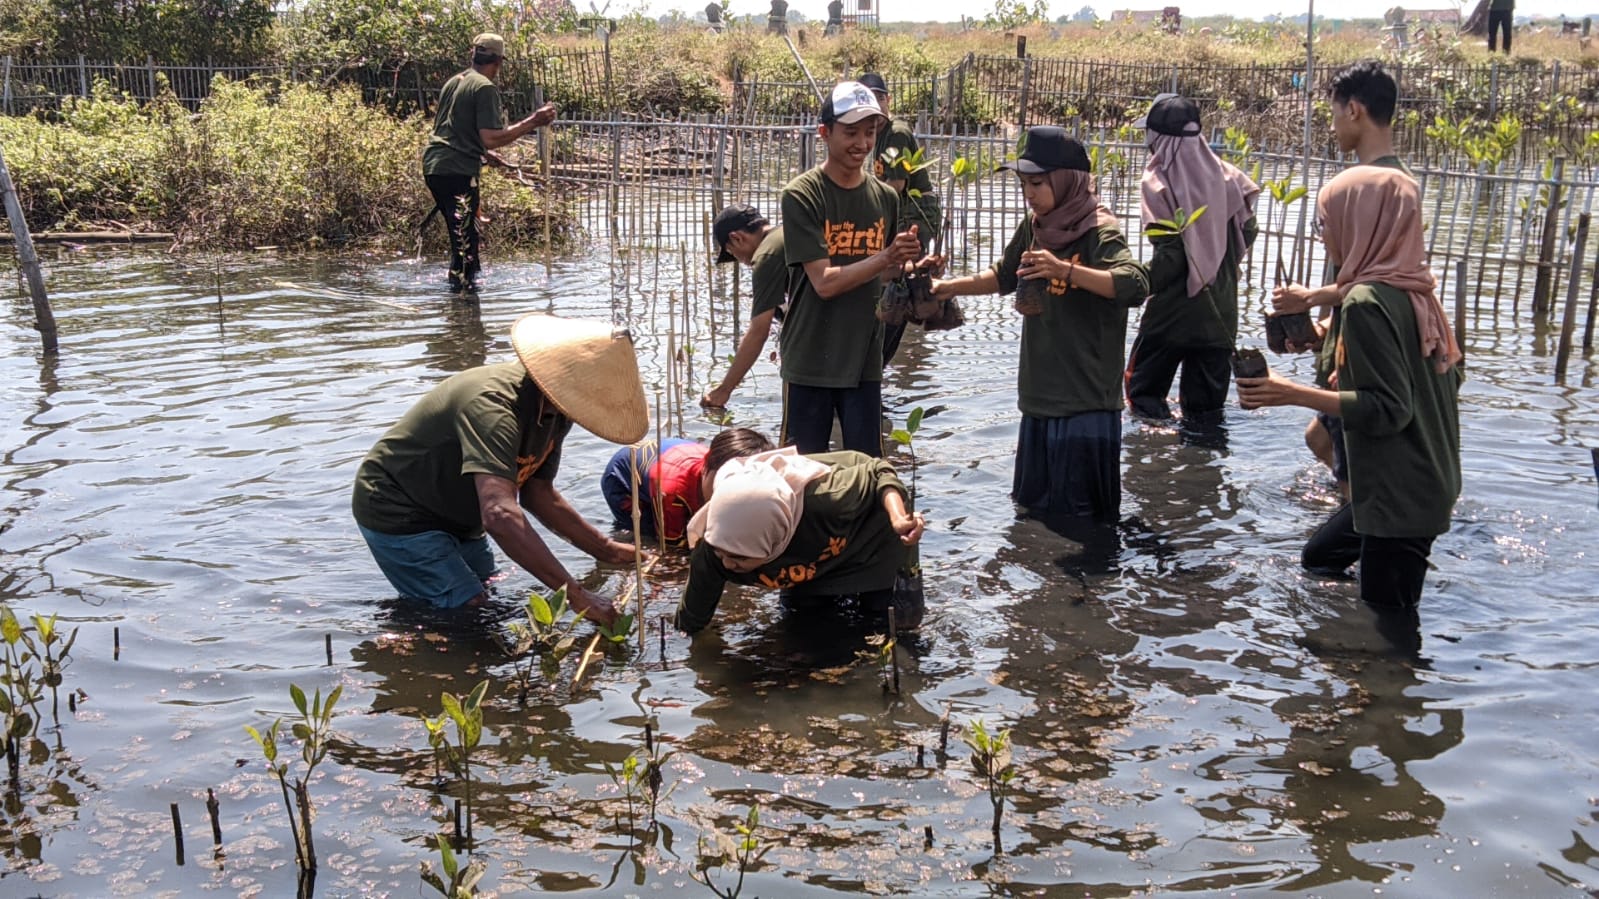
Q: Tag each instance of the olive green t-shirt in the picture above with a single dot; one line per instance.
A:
(488, 420)
(771, 274)
(920, 208)
(835, 342)
(1401, 418)
(1206, 320)
(1324, 357)
(1073, 354)
(845, 543)
(467, 102)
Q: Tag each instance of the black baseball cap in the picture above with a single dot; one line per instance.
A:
(874, 82)
(1049, 147)
(737, 217)
(1171, 114)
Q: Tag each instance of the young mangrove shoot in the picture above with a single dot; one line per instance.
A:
(991, 759)
(458, 882)
(312, 730)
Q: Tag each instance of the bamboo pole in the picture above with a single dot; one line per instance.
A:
(1546, 249)
(44, 317)
(1460, 304)
(1593, 307)
(1569, 323)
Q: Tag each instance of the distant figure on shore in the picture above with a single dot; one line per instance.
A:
(468, 127)
(1500, 16)
(713, 16)
(835, 18)
(777, 19)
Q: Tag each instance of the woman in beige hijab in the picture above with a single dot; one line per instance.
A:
(1396, 389)
(832, 524)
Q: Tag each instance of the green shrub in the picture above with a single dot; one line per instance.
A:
(259, 164)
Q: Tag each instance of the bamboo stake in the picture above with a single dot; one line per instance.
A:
(43, 316)
(638, 553)
(1568, 324)
(212, 808)
(1593, 307)
(177, 833)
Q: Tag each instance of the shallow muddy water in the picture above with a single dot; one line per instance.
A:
(1192, 713)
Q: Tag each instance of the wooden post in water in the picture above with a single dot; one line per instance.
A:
(1593, 307)
(44, 318)
(1546, 249)
(1460, 304)
(1568, 324)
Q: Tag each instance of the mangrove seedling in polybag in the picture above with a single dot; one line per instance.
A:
(312, 730)
(991, 759)
(743, 848)
(458, 882)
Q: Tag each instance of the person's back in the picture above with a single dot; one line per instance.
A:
(468, 102)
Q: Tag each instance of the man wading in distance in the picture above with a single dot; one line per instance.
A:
(468, 127)
(841, 230)
(741, 233)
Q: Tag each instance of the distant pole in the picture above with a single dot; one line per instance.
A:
(1568, 324)
(43, 316)
(1310, 110)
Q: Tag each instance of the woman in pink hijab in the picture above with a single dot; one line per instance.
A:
(1398, 377)
(1191, 318)
(828, 525)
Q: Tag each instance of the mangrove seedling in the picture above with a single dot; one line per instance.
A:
(1286, 194)
(882, 652)
(991, 759)
(641, 779)
(22, 693)
(52, 652)
(545, 639)
(312, 731)
(458, 882)
(906, 437)
(742, 847)
(467, 716)
(1176, 225)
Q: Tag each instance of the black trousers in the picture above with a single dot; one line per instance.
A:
(1392, 569)
(1499, 21)
(808, 414)
(456, 197)
(1151, 367)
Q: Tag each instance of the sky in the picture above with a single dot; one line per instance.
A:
(952, 10)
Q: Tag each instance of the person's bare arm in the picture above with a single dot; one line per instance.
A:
(506, 523)
(749, 349)
(552, 510)
(494, 138)
(831, 280)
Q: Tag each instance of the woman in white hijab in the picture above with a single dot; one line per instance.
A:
(833, 524)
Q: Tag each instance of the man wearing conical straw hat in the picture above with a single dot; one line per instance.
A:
(483, 446)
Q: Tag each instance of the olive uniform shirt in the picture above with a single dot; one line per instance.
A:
(836, 342)
(469, 101)
(1206, 320)
(1074, 353)
(845, 543)
(488, 420)
(1401, 418)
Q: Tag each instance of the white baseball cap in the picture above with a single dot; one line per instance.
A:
(851, 102)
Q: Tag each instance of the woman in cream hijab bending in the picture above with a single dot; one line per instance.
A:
(828, 525)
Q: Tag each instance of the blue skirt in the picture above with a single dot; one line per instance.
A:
(1070, 466)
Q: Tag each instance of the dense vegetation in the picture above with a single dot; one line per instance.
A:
(295, 167)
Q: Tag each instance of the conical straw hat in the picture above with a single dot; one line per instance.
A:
(588, 370)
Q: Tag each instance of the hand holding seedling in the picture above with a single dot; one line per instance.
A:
(1042, 263)
(716, 398)
(1276, 390)
(906, 247)
(542, 116)
(910, 528)
(933, 265)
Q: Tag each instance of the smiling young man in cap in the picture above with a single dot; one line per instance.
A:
(841, 233)
(468, 126)
(918, 205)
(484, 445)
(741, 233)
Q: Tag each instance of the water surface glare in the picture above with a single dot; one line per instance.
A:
(1198, 715)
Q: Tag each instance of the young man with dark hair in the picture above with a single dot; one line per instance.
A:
(1364, 97)
(842, 238)
(741, 233)
(468, 127)
(918, 205)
